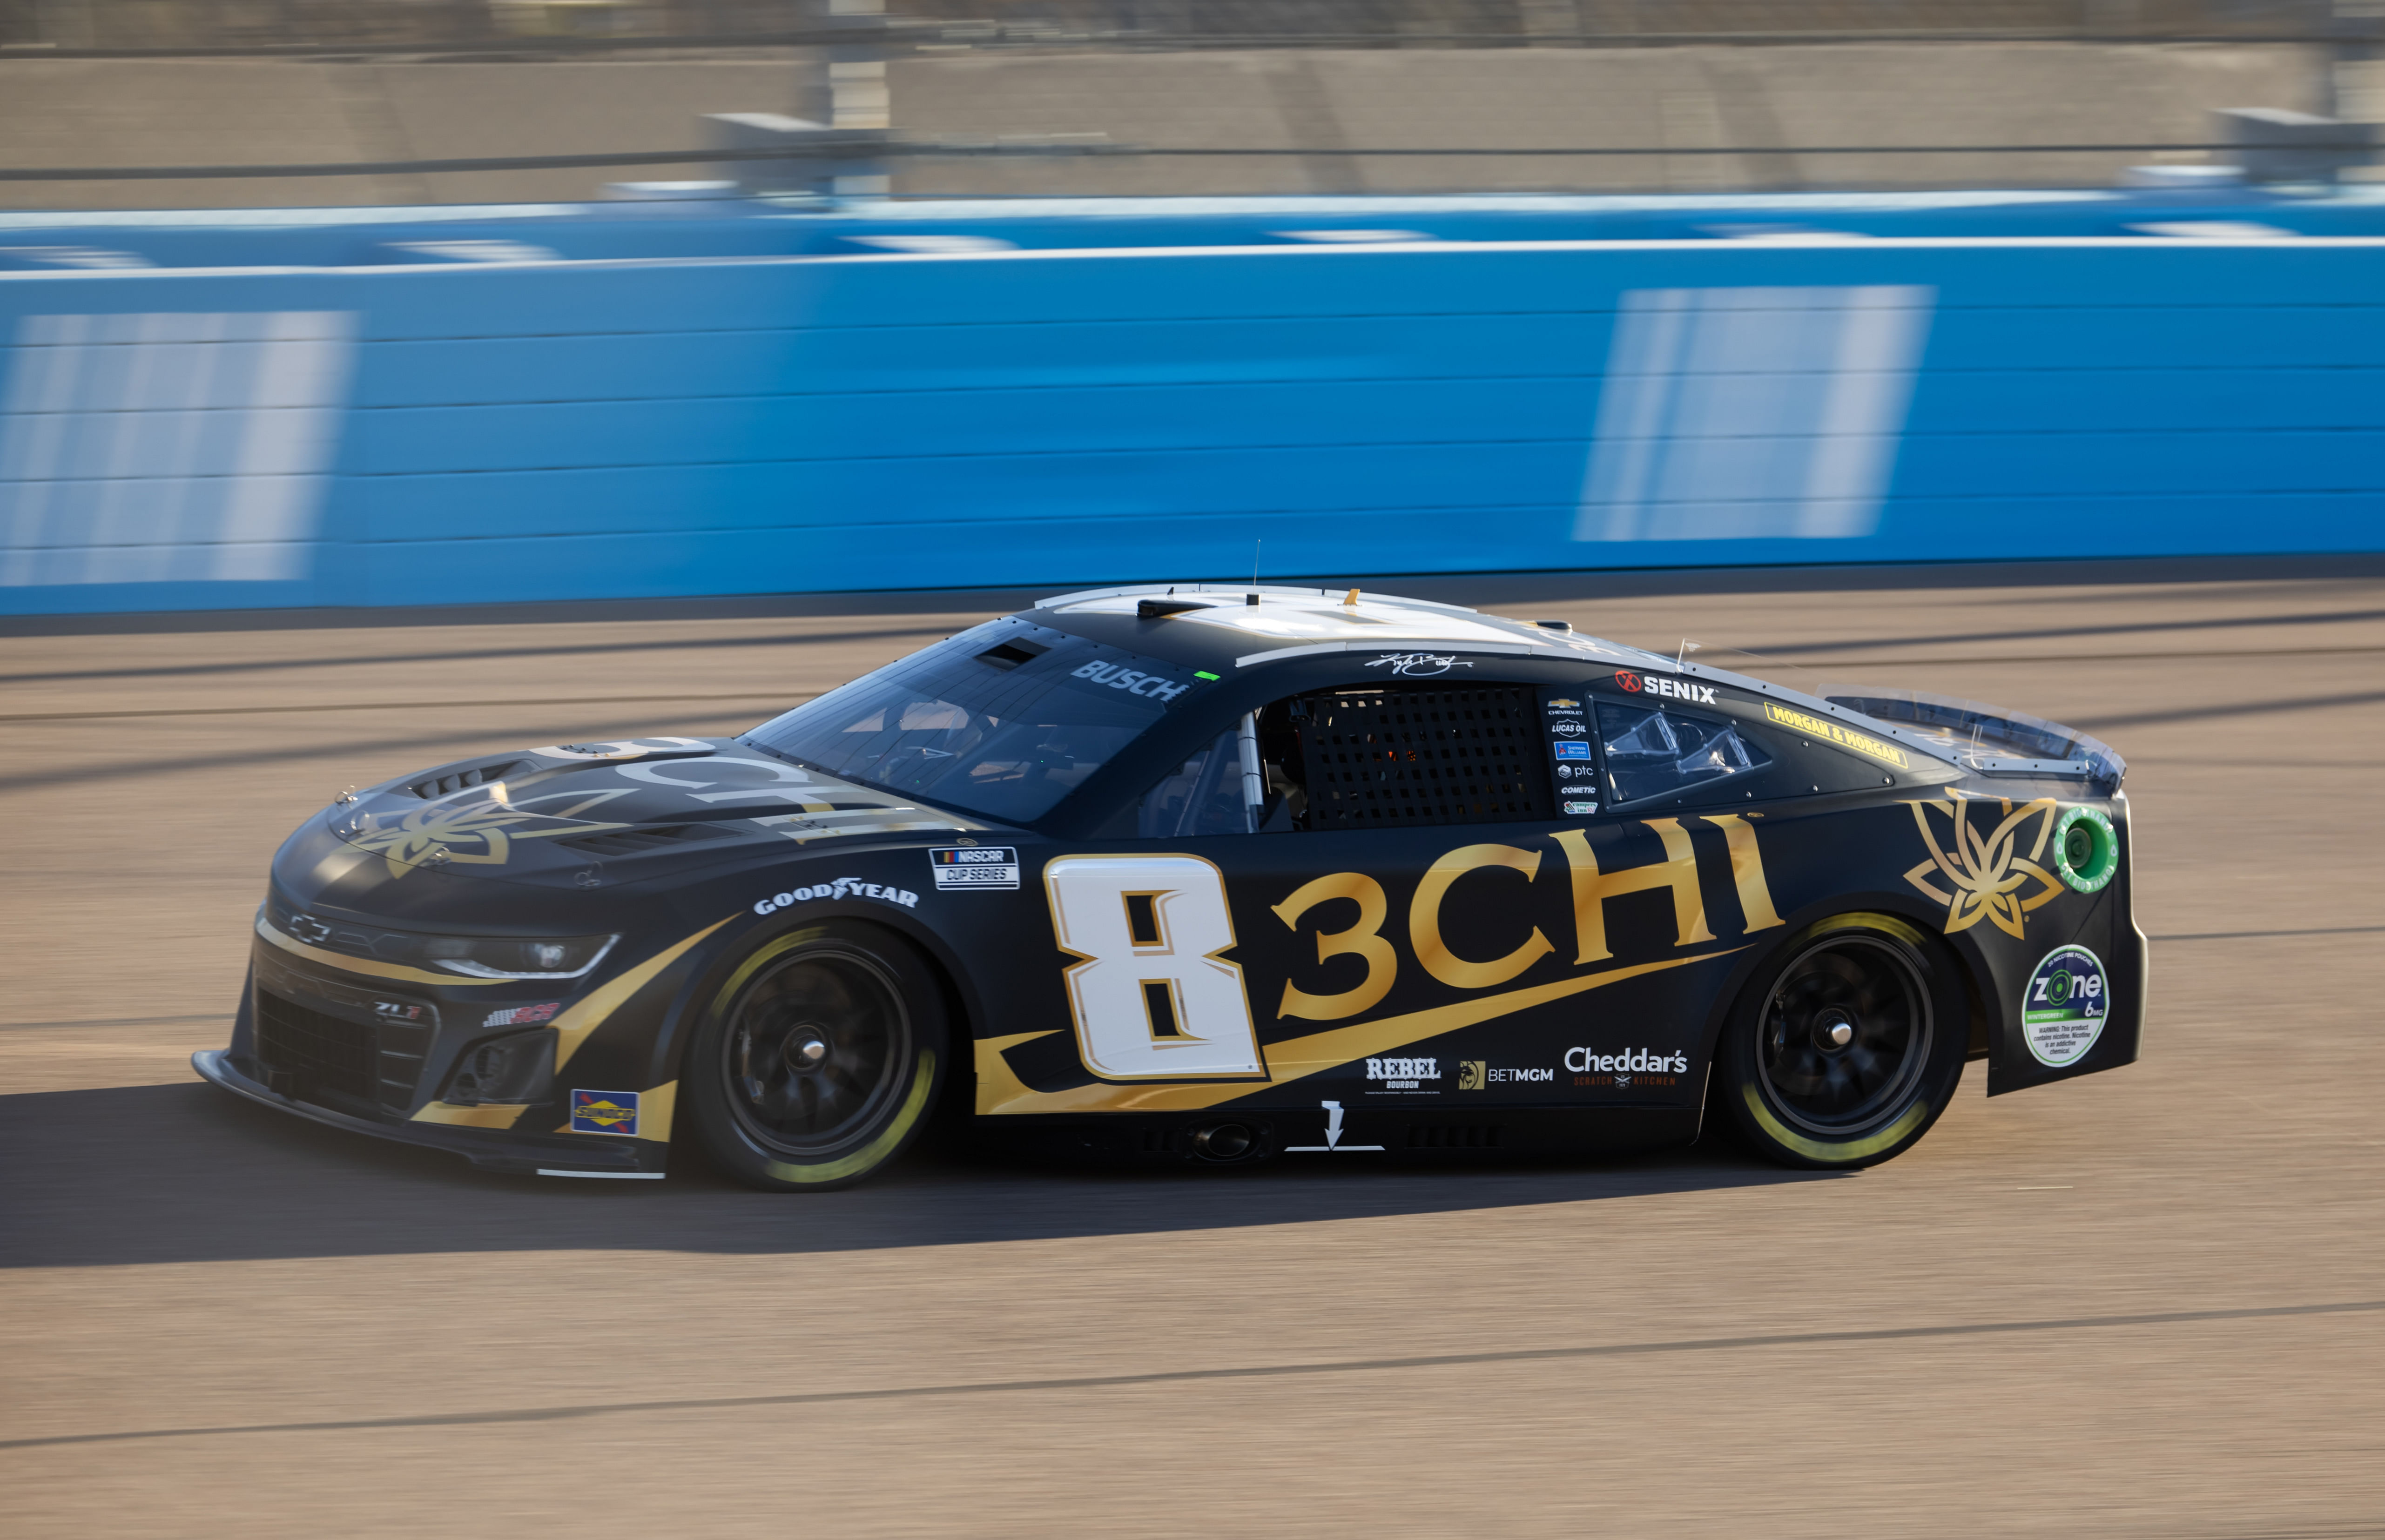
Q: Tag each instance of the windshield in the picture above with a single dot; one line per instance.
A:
(1003, 720)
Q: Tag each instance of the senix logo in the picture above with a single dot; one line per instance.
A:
(1659, 684)
(1118, 676)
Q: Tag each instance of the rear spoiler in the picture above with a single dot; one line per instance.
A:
(1988, 740)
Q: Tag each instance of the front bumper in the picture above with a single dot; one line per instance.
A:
(515, 1153)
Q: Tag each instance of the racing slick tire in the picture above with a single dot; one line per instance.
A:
(818, 1058)
(1844, 1048)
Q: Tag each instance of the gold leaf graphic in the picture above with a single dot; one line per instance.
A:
(1986, 871)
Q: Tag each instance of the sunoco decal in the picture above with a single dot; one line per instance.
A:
(605, 1111)
(2063, 1012)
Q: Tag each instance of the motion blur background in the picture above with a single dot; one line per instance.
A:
(1332, 96)
(387, 381)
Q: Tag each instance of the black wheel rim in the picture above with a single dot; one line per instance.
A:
(1844, 1036)
(818, 1046)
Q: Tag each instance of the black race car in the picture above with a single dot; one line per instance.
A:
(1192, 874)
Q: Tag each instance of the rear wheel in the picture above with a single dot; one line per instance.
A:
(1845, 1050)
(818, 1058)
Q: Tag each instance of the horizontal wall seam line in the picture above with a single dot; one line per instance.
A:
(792, 697)
(118, 1020)
(1178, 1377)
(2252, 934)
(2066, 658)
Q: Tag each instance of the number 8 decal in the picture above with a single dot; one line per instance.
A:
(1152, 999)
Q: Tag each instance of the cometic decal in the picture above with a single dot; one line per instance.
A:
(2063, 1012)
(1832, 732)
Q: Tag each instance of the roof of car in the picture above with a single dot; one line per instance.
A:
(1241, 626)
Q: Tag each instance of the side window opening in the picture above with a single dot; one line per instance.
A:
(1420, 754)
(1653, 752)
(1208, 793)
(1366, 757)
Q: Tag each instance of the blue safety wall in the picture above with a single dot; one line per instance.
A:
(738, 406)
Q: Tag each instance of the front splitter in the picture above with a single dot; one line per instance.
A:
(508, 1154)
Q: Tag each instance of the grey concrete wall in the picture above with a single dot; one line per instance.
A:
(153, 112)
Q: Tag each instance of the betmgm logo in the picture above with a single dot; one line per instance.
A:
(1474, 1074)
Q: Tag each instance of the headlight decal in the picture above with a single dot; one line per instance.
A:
(572, 1027)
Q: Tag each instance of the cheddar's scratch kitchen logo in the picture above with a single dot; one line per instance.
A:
(1990, 878)
(1633, 1067)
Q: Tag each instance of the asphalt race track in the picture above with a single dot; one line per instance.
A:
(2149, 1303)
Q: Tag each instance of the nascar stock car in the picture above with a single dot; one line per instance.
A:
(1198, 873)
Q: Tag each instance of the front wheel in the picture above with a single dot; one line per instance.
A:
(1845, 1049)
(817, 1057)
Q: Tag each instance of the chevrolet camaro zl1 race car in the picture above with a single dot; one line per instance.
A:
(1203, 875)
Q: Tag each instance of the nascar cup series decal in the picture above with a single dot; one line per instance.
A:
(974, 866)
(2063, 1012)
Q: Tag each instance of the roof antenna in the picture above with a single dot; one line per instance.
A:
(1253, 596)
(1688, 647)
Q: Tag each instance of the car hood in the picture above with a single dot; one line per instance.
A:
(596, 814)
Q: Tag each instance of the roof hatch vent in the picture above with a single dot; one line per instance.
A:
(1010, 655)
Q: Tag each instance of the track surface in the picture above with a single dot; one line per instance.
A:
(2145, 1303)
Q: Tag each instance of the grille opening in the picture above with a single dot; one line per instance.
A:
(457, 780)
(1422, 755)
(1453, 1136)
(1154, 1141)
(326, 1056)
(637, 841)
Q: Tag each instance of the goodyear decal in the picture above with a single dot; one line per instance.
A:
(1831, 732)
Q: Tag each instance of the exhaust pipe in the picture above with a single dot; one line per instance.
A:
(1223, 1141)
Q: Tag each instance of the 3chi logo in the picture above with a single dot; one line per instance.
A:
(1628, 680)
